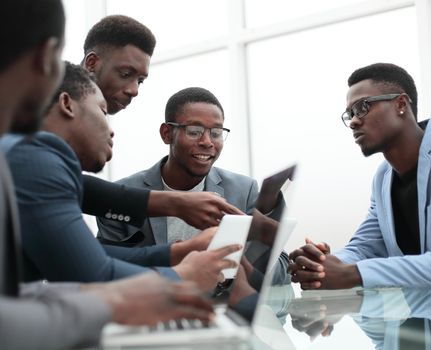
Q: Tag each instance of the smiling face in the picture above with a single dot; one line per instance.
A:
(119, 72)
(379, 129)
(93, 137)
(188, 158)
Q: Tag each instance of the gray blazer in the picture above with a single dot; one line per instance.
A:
(239, 190)
(46, 319)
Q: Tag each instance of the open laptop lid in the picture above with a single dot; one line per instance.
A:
(245, 292)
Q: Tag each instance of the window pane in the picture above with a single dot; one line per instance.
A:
(298, 86)
(259, 13)
(76, 30)
(176, 23)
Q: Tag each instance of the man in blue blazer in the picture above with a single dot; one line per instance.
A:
(194, 131)
(392, 247)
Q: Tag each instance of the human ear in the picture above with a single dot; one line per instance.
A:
(90, 61)
(165, 133)
(66, 105)
(402, 105)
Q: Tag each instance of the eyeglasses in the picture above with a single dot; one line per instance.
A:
(195, 132)
(361, 108)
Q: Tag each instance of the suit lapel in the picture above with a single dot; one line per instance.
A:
(153, 179)
(390, 238)
(212, 182)
(423, 179)
(160, 229)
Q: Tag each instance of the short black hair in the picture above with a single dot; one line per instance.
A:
(394, 77)
(189, 95)
(118, 31)
(77, 82)
(24, 24)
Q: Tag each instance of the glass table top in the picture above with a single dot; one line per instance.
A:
(289, 318)
(387, 318)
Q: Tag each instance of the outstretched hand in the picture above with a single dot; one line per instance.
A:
(198, 209)
(204, 209)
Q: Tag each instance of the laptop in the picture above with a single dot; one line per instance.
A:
(235, 312)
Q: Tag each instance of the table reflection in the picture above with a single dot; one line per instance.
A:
(390, 318)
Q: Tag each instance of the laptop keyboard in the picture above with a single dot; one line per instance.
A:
(180, 324)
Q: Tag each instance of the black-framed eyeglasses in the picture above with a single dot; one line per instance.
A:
(195, 132)
(361, 108)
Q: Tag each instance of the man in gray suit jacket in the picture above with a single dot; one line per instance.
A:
(42, 316)
(194, 131)
(117, 51)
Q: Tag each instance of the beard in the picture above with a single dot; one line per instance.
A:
(369, 150)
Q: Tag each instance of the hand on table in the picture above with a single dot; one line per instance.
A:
(149, 299)
(314, 267)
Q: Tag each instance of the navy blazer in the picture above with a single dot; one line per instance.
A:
(57, 243)
(27, 323)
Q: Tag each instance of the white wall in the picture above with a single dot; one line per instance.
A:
(298, 85)
(279, 68)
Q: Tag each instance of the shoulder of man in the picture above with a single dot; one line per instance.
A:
(230, 176)
(39, 140)
(42, 161)
(145, 178)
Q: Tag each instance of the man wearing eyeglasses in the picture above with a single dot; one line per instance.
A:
(392, 247)
(194, 130)
(117, 51)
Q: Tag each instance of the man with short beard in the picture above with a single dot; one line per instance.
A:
(392, 247)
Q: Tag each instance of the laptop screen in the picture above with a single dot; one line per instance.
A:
(243, 293)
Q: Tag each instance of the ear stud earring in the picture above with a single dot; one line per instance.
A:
(401, 112)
